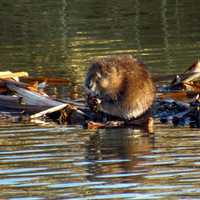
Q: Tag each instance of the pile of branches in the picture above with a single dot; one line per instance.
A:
(23, 96)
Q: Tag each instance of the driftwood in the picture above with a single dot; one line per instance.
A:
(15, 104)
(24, 97)
(177, 95)
(11, 75)
(33, 98)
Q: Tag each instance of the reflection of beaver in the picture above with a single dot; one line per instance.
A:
(122, 85)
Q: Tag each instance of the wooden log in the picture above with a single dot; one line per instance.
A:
(9, 74)
(5, 82)
(15, 104)
(177, 95)
(33, 98)
(4, 89)
(172, 95)
(26, 109)
(10, 99)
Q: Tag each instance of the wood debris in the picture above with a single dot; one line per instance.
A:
(20, 94)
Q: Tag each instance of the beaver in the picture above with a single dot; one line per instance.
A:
(122, 85)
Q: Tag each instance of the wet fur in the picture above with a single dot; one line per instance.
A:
(122, 84)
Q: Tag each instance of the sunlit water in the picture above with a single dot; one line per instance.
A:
(59, 38)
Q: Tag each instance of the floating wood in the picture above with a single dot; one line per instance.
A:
(9, 74)
(24, 97)
(14, 104)
(177, 95)
(33, 98)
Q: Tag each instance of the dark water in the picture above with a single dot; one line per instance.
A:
(59, 38)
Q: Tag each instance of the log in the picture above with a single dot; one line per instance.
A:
(33, 98)
(15, 104)
(30, 98)
(177, 95)
(4, 89)
(9, 74)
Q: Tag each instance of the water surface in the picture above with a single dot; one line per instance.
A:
(59, 38)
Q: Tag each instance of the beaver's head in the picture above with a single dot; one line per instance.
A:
(104, 77)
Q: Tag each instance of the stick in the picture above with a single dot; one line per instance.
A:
(49, 110)
(57, 108)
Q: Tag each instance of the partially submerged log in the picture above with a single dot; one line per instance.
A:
(39, 105)
(33, 98)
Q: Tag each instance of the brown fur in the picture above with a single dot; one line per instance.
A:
(122, 84)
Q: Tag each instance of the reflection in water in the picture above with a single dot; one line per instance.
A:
(113, 145)
(60, 37)
(60, 162)
(115, 161)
